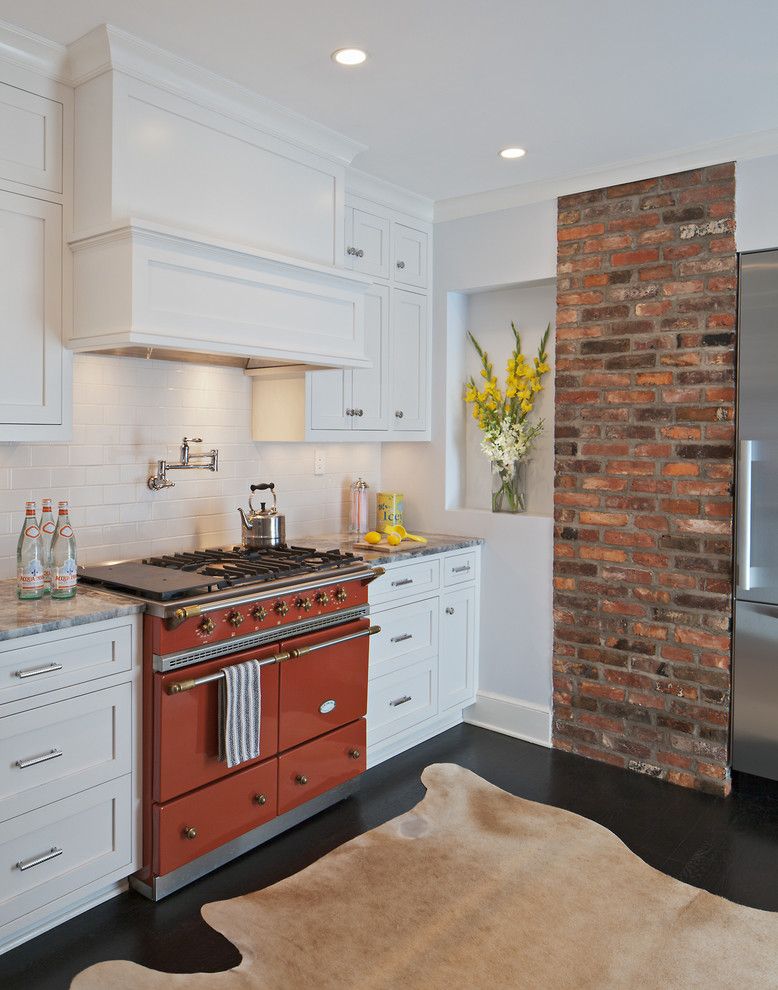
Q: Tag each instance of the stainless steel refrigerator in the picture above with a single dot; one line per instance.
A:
(755, 666)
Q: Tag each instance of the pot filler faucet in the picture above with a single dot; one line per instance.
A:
(205, 462)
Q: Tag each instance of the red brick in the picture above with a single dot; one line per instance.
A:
(577, 233)
(640, 257)
(589, 518)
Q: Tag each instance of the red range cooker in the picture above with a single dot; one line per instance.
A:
(304, 615)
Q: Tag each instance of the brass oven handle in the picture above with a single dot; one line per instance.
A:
(178, 686)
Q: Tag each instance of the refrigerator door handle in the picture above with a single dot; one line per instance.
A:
(744, 516)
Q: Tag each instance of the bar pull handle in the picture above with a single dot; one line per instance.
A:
(401, 639)
(50, 668)
(35, 760)
(404, 581)
(27, 864)
(459, 570)
(400, 701)
(744, 515)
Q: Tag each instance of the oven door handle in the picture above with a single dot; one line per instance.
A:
(178, 686)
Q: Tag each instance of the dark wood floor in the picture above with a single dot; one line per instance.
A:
(728, 846)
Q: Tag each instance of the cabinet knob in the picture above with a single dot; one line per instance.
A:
(354, 754)
(351, 250)
(399, 413)
(260, 799)
(301, 779)
(449, 610)
(360, 253)
(401, 264)
(349, 412)
(359, 412)
(189, 832)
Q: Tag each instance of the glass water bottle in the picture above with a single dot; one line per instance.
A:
(63, 557)
(47, 528)
(30, 562)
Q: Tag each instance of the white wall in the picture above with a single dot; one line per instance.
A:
(128, 413)
(495, 249)
(756, 195)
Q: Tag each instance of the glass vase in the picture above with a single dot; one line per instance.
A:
(509, 487)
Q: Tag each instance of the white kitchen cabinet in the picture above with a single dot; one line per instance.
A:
(408, 366)
(410, 254)
(367, 242)
(457, 647)
(31, 373)
(30, 139)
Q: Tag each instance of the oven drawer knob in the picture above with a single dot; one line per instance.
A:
(189, 832)
(301, 779)
(281, 608)
(207, 627)
(235, 619)
(341, 595)
(260, 799)
(323, 598)
(354, 754)
(259, 613)
(304, 604)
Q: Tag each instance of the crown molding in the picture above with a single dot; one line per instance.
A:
(738, 148)
(107, 47)
(370, 187)
(30, 51)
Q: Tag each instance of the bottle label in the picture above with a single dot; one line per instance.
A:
(30, 578)
(32, 531)
(48, 527)
(65, 576)
(66, 532)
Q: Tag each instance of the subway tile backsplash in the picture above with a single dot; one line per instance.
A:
(127, 414)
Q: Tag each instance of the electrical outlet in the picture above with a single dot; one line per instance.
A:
(319, 461)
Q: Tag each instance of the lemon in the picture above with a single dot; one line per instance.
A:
(393, 539)
(372, 537)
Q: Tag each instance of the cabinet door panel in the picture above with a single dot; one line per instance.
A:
(370, 386)
(31, 293)
(330, 400)
(457, 648)
(30, 139)
(370, 240)
(410, 256)
(408, 361)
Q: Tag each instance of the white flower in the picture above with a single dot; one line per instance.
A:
(512, 442)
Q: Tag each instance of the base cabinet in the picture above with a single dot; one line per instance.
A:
(457, 646)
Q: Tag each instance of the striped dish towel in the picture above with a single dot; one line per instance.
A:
(240, 706)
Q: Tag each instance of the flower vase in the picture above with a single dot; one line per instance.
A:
(509, 487)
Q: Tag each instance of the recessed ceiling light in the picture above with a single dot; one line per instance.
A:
(512, 153)
(349, 56)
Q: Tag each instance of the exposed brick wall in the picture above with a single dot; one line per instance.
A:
(644, 461)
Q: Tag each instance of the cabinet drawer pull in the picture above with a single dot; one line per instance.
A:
(460, 570)
(399, 584)
(401, 264)
(43, 758)
(351, 250)
(399, 413)
(400, 701)
(401, 639)
(301, 779)
(189, 832)
(34, 671)
(360, 253)
(27, 864)
(260, 799)
(354, 754)
(449, 610)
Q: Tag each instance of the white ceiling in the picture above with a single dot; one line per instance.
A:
(581, 84)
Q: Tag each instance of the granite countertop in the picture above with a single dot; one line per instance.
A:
(25, 618)
(436, 543)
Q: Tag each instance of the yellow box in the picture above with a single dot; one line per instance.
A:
(389, 509)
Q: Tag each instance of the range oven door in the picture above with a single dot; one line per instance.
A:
(325, 689)
(186, 739)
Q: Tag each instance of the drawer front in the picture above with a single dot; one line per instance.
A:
(56, 850)
(408, 633)
(64, 748)
(27, 671)
(459, 568)
(325, 689)
(199, 822)
(406, 580)
(402, 699)
(318, 766)
(186, 744)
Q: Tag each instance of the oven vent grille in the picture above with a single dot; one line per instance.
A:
(174, 661)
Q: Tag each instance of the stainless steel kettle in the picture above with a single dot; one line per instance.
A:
(262, 527)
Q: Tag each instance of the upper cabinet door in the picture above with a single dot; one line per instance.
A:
(330, 400)
(370, 394)
(367, 243)
(30, 139)
(408, 360)
(410, 256)
(31, 327)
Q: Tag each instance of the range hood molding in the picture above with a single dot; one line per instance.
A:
(144, 285)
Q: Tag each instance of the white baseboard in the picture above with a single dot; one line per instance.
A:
(511, 716)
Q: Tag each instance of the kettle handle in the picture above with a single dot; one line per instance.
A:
(263, 487)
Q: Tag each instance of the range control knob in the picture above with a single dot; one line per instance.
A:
(206, 627)
(235, 618)
(280, 607)
(304, 604)
(341, 595)
(322, 598)
(259, 613)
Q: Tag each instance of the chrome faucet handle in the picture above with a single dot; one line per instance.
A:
(193, 439)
